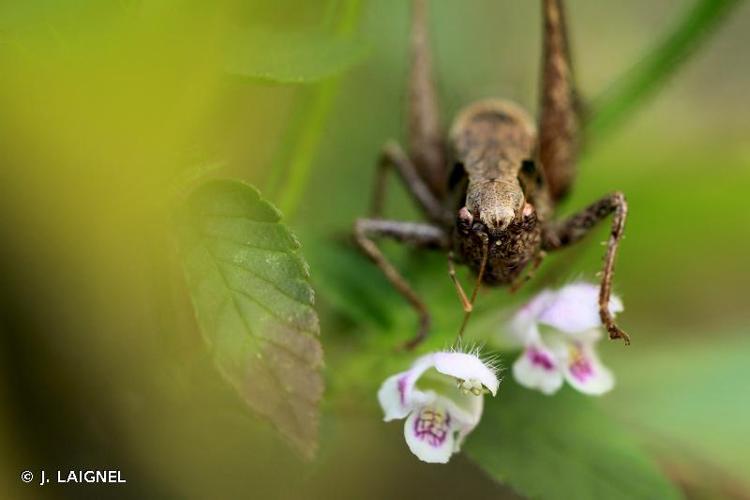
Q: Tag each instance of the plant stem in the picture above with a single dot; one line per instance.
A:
(316, 113)
(644, 78)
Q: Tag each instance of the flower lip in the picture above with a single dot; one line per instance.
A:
(466, 367)
(586, 373)
(540, 358)
(537, 368)
(430, 434)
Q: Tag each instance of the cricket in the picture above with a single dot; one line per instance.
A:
(488, 188)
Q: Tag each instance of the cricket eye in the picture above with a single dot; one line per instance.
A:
(528, 167)
(529, 171)
(457, 174)
(465, 219)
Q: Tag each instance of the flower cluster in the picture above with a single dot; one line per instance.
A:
(558, 330)
(441, 406)
(442, 395)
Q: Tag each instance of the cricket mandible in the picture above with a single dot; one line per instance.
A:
(489, 190)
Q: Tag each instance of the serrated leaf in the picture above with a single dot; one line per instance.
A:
(254, 305)
(290, 57)
(562, 447)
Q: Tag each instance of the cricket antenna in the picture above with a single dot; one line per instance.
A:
(482, 266)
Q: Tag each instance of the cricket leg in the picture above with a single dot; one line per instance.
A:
(465, 303)
(569, 231)
(559, 120)
(418, 234)
(423, 170)
(392, 156)
(425, 135)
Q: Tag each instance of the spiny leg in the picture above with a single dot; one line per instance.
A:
(559, 121)
(392, 156)
(564, 233)
(415, 233)
(425, 134)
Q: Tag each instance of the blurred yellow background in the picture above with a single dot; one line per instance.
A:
(108, 110)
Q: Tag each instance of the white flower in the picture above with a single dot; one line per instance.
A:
(564, 349)
(444, 407)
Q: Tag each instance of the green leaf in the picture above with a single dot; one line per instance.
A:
(254, 305)
(690, 395)
(561, 447)
(291, 57)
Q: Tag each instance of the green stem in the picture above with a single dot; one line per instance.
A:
(642, 80)
(315, 117)
(286, 146)
(296, 124)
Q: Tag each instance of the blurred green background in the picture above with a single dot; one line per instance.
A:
(108, 110)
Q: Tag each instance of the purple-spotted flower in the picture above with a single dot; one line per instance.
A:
(558, 330)
(442, 397)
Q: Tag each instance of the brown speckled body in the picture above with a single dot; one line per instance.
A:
(491, 140)
(509, 251)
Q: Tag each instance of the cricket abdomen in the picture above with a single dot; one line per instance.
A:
(491, 139)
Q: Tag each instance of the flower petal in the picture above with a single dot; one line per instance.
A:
(523, 325)
(465, 408)
(465, 366)
(429, 434)
(538, 368)
(466, 417)
(575, 308)
(585, 372)
(397, 395)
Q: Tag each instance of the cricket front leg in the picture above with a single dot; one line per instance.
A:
(415, 233)
(393, 157)
(564, 233)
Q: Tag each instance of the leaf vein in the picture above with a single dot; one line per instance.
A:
(263, 361)
(208, 236)
(262, 278)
